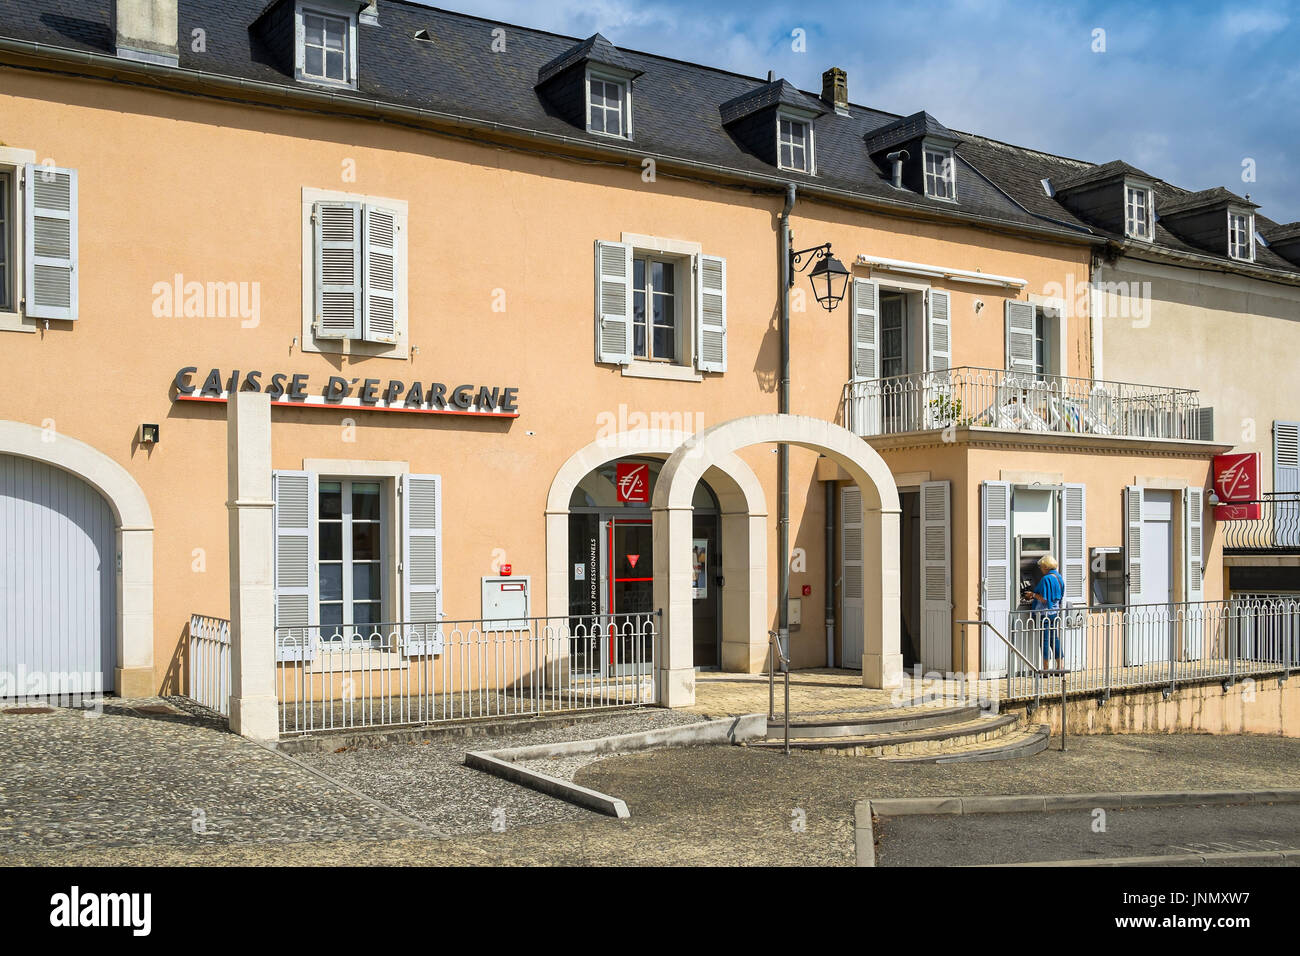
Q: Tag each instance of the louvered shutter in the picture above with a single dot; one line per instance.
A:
(851, 590)
(1205, 424)
(1286, 484)
(380, 277)
(422, 563)
(936, 575)
(294, 518)
(711, 312)
(940, 331)
(50, 242)
(1133, 545)
(996, 574)
(866, 330)
(1074, 570)
(613, 303)
(1020, 337)
(1194, 572)
(337, 227)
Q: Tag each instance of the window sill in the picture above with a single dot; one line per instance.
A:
(16, 322)
(663, 371)
(362, 658)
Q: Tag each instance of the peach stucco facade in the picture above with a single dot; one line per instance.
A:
(500, 293)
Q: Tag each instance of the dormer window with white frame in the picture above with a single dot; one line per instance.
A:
(940, 175)
(609, 106)
(326, 47)
(1241, 235)
(1138, 212)
(794, 146)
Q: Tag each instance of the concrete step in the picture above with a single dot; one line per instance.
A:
(867, 724)
(1023, 743)
(929, 740)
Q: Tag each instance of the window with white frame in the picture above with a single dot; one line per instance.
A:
(350, 562)
(6, 242)
(1241, 235)
(656, 309)
(794, 144)
(1137, 212)
(326, 45)
(38, 241)
(357, 269)
(1043, 364)
(940, 179)
(607, 106)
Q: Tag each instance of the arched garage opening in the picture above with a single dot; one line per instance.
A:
(79, 589)
(882, 663)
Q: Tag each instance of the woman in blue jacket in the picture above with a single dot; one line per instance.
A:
(1047, 596)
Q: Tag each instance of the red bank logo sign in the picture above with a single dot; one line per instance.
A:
(633, 482)
(1236, 482)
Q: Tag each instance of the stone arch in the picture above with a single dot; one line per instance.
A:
(133, 676)
(743, 514)
(882, 663)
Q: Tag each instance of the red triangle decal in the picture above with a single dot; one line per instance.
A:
(632, 559)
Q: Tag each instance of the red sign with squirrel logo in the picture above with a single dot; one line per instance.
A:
(633, 482)
(1236, 482)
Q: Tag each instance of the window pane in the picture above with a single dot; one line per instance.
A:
(365, 582)
(663, 314)
(313, 27)
(665, 342)
(613, 123)
(365, 542)
(334, 68)
(365, 501)
(330, 499)
(638, 339)
(331, 615)
(331, 582)
(366, 612)
(331, 541)
(334, 34)
(785, 156)
(312, 66)
(638, 273)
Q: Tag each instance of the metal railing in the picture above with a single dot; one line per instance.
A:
(776, 655)
(1018, 401)
(208, 663)
(1275, 530)
(405, 673)
(1152, 645)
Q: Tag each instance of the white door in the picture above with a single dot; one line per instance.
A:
(1151, 622)
(58, 583)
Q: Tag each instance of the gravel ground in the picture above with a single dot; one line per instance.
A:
(428, 780)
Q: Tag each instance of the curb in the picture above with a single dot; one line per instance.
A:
(865, 810)
(1181, 859)
(503, 763)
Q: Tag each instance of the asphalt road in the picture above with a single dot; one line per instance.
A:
(986, 838)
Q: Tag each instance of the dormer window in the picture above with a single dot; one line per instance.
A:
(794, 144)
(326, 48)
(940, 183)
(1241, 235)
(1137, 212)
(608, 106)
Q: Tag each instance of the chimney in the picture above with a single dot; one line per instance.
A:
(146, 30)
(835, 89)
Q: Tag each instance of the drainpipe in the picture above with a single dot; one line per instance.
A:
(783, 450)
(897, 159)
(830, 574)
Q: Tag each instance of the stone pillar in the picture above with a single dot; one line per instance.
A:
(253, 709)
(133, 675)
(882, 662)
(672, 593)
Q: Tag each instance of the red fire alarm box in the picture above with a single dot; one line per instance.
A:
(505, 570)
(807, 590)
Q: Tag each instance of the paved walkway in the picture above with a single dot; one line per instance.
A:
(816, 691)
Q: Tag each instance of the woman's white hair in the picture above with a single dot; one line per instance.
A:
(1048, 563)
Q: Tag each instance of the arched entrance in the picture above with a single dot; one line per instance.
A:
(126, 571)
(882, 663)
(733, 497)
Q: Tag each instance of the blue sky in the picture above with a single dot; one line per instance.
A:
(1186, 91)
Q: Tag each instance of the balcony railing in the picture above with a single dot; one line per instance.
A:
(1276, 530)
(1019, 401)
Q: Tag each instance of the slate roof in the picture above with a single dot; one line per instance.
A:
(1100, 174)
(1206, 197)
(907, 129)
(1284, 233)
(679, 106)
(594, 49)
(775, 93)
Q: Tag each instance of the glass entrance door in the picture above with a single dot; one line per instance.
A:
(627, 571)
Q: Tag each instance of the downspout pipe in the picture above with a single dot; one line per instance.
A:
(782, 449)
(897, 159)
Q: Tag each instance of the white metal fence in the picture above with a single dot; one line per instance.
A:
(996, 398)
(208, 663)
(395, 674)
(1153, 645)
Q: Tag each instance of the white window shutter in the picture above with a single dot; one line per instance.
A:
(613, 303)
(422, 564)
(1074, 543)
(940, 331)
(1286, 482)
(1194, 573)
(851, 560)
(50, 240)
(936, 575)
(337, 310)
(380, 275)
(1020, 337)
(294, 518)
(866, 330)
(711, 315)
(997, 575)
(1133, 545)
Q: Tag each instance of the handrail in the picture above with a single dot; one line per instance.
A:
(1033, 668)
(775, 651)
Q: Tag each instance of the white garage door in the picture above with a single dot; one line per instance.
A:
(57, 582)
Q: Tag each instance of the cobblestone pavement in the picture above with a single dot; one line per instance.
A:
(122, 794)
